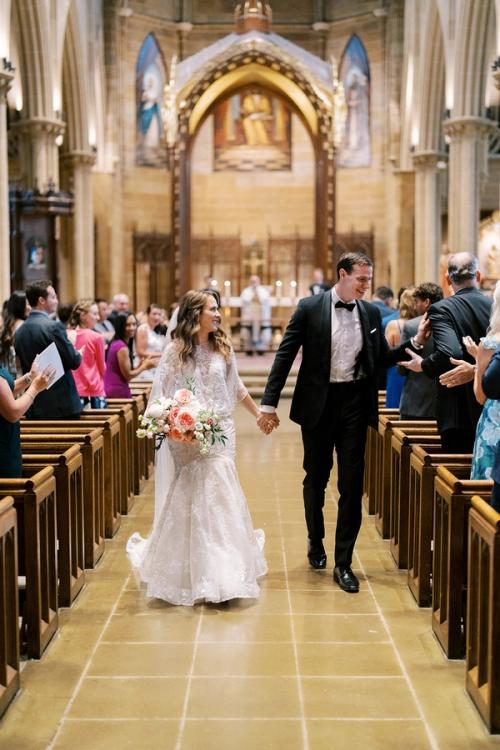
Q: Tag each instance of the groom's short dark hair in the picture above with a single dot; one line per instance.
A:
(347, 261)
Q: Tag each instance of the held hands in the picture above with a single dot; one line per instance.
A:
(267, 422)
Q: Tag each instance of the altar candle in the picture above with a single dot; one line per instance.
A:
(293, 289)
(279, 285)
(227, 292)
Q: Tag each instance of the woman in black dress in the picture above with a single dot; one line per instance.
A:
(11, 409)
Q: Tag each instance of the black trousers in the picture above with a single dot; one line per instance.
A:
(458, 440)
(342, 427)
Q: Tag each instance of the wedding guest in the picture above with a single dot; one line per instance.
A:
(89, 377)
(119, 304)
(383, 298)
(491, 389)
(393, 331)
(119, 364)
(17, 310)
(318, 283)
(13, 406)
(149, 343)
(103, 325)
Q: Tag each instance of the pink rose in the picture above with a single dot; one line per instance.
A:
(185, 420)
(173, 414)
(183, 396)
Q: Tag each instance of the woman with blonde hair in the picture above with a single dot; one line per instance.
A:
(407, 310)
(89, 376)
(202, 546)
(488, 427)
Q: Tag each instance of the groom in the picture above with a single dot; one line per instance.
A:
(334, 401)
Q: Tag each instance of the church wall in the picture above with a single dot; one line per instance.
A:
(253, 202)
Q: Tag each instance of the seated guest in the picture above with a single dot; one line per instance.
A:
(488, 426)
(419, 396)
(39, 330)
(393, 331)
(491, 389)
(11, 410)
(119, 368)
(17, 310)
(89, 376)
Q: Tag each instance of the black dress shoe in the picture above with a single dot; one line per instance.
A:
(316, 555)
(346, 579)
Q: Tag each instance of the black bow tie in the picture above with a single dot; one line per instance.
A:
(346, 305)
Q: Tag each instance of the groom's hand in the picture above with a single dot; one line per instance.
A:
(267, 422)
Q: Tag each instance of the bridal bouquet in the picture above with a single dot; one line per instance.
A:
(183, 419)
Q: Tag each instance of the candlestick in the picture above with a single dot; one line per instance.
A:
(279, 285)
(293, 289)
(227, 292)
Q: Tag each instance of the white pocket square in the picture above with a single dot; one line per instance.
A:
(373, 330)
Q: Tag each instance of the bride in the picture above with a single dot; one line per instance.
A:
(202, 546)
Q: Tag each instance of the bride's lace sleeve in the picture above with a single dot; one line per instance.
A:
(164, 383)
(234, 383)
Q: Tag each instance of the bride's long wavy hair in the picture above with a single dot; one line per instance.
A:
(188, 324)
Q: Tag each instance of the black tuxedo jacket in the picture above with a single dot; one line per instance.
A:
(491, 388)
(466, 313)
(35, 334)
(311, 328)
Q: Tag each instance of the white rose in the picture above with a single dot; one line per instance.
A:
(154, 411)
(141, 433)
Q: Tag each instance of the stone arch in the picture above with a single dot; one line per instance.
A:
(240, 68)
(75, 87)
(432, 83)
(32, 22)
(470, 65)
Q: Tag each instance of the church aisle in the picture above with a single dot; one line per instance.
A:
(306, 667)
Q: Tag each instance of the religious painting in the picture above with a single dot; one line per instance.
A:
(253, 132)
(36, 254)
(149, 85)
(489, 250)
(355, 150)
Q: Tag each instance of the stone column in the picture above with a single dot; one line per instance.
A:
(468, 138)
(427, 215)
(39, 146)
(5, 81)
(78, 165)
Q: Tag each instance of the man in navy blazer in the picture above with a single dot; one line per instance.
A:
(61, 401)
(334, 401)
(491, 388)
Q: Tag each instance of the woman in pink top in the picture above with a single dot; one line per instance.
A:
(89, 377)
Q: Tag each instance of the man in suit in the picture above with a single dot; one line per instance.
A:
(491, 388)
(419, 396)
(465, 313)
(334, 401)
(61, 401)
(318, 285)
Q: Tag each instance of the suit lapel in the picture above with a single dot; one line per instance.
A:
(367, 355)
(326, 328)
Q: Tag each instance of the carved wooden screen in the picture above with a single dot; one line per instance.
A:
(153, 270)
(349, 242)
(291, 259)
(219, 258)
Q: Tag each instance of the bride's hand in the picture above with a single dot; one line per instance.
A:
(267, 422)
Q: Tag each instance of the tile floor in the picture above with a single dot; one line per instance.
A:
(306, 667)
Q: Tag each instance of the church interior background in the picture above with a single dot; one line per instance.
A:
(146, 145)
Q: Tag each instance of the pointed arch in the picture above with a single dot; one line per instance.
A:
(355, 76)
(471, 50)
(33, 23)
(150, 81)
(75, 87)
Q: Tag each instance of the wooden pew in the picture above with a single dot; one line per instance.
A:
(370, 474)
(483, 612)
(452, 498)
(35, 503)
(137, 406)
(139, 388)
(68, 471)
(387, 422)
(123, 454)
(91, 442)
(9, 605)
(424, 461)
(401, 444)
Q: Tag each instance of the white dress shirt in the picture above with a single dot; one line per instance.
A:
(347, 341)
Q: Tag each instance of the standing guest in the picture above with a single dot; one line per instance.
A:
(17, 310)
(419, 396)
(465, 313)
(39, 330)
(89, 377)
(149, 343)
(12, 407)
(103, 325)
(491, 389)
(488, 427)
(256, 328)
(383, 298)
(64, 313)
(119, 304)
(119, 369)
(393, 331)
(318, 285)
(334, 401)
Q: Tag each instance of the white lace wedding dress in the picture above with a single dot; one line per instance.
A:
(202, 546)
